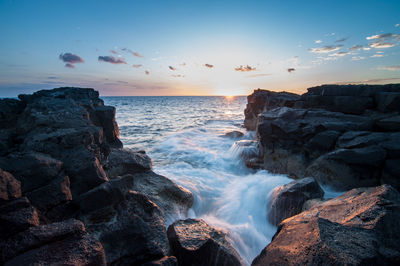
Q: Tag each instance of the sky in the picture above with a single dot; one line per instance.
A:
(196, 47)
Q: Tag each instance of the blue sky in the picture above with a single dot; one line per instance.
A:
(196, 47)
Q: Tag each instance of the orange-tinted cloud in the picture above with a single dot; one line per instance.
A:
(291, 69)
(245, 68)
(209, 65)
(172, 68)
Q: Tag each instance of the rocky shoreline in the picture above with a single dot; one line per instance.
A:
(71, 194)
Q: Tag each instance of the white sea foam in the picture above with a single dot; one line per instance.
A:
(183, 137)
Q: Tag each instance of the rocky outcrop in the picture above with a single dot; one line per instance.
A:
(344, 136)
(60, 151)
(194, 242)
(65, 243)
(357, 228)
(262, 100)
(288, 200)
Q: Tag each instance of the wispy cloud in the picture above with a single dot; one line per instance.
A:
(356, 47)
(318, 41)
(112, 59)
(114, 52)
(258, 75)
(381, 36)
(245, 68)
(326, 49)
(178, 76)
(137, 66)
(172, 68)
(377, 55)
(290, 70)
(209, 65)
(390, 68)
(381, 45)
(70, 59)
(131, 52)
(147, 72)
(341, 40)
(397, 25)
(340, 54)
(357, 58)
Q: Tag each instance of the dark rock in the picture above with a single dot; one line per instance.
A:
(361, 139)
(288, 200)
(34, 170)
(391, 173)
(322, 142)
(388, 101)
(16, 216)
(105, 117)
(10, 188)
(357, 228)
(171, 198)
(129, 225)
(262, 100)
(64, 243)
(193, 242)
(165, 261)
(233, 134)
(9, 111)
(122, 161)
(389, 124)
(349, 168)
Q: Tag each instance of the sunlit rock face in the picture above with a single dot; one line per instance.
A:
(344, 136)
(61, 158)
(357, 228)
(194, 242)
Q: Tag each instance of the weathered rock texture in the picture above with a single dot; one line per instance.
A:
(345, 136)
(194, 242)
(357, 228)
(61, 158)
(288, 200)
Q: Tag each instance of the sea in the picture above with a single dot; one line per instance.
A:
(184, 136)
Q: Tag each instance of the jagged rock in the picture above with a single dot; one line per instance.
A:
(34, 170)
(165, 261)
(348, 168)
(10, 188)
(391, 173)
(194, 242)
(170, 197)
(121, 161)
(288, 200)
(357, 228)
(16, 216)
(328, 125)
(262, 100)
(129, 225)
(65, 243)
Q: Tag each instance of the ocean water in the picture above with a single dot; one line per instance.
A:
(184, 138)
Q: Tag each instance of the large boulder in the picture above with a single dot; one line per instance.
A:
(122, 161)
(287, 200)
(194, 242)
(357, 228)
(128, 224)
(65, 243)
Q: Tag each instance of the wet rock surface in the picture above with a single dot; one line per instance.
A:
(342, 135)
(357, 228)
(70, 194)
(194, 242)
